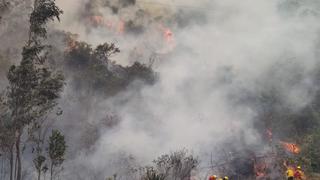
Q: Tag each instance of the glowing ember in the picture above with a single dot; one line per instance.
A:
(168, 35)
(168, 38)
(291, 147)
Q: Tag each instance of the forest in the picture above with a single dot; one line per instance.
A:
(159, 90)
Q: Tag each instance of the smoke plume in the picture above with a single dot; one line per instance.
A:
(210, 57)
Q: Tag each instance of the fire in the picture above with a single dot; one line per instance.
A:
(167, 34)
(96, 20)
(168, 37)
(117, 26)
(71, 41)
(291, 147)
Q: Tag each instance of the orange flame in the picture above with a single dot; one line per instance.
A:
(71, 41)
(96, 20)
(291, 147)
(115, 26)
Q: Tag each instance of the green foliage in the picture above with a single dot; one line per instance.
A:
(7, 134)
(141, 72)
(315, 152)
(310, 155)
(78, 58)
(94, 71)
(104, 51)
(39, 162)
(57, 148)
(32, 91)
(23, 81)
(33, 87)
(44, 11)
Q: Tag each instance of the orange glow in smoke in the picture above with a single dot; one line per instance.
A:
(117, 26)
(96, 20)
(108, 24)
(167, 34)
(290, 147)
(71, 41)
(168, 37)
(121, 27)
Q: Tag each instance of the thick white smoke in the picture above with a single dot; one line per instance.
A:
(194, 104)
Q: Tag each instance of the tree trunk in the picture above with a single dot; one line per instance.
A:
(39, 173)
(15, 169)
(2, 171)
(18, 156)
(51, 171)
(44, 176)
(11, 162)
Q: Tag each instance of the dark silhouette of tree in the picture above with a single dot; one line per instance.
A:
(175, 166)
(57, 150)
(33, 87)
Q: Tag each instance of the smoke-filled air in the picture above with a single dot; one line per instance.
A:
(159, 89)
